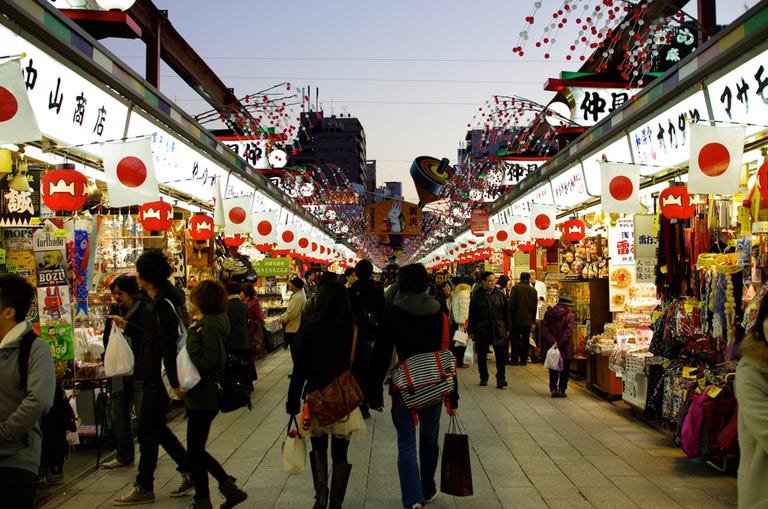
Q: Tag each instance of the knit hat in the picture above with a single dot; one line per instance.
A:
(297, 282)
(565, 301)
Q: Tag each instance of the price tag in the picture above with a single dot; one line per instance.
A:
(2, 256)
(666, 364)
(702, 384)
(59, 233)
(714, 391)
(34, 221)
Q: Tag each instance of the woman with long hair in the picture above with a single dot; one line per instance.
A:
(323, 355)
(205, 344)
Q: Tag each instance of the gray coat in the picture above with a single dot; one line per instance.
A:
(20, 411)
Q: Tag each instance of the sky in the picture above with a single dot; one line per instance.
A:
(415, 72)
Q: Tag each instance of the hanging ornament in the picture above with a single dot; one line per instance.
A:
(676, 202)
(234, 240)
(64, 188)
(156, 216)
(200, 227)
(574, 230)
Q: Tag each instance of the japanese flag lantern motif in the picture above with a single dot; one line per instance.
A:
(17, 120)
(519, 228)
(287, 237)
(129, 172)
(264, 228)
(237, 215)
(543, 222)
(716, 153)
(676, 202)
(501, 238)
(620, 191)
(64, 188)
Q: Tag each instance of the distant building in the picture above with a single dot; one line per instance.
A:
(389, 191)
(338, 141)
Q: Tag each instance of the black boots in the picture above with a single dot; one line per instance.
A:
(319, 462)
(232, 494)
(339, 484)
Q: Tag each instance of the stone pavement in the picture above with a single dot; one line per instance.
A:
(528, 451)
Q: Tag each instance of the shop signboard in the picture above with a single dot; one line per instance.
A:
(517, 169)
(741, 96)
(646, 244)
(569, 188)
(590, 105)
(252, 151)
(621, 265)
(273, 266)
(69, 108)
(665, 139)
(393, 217)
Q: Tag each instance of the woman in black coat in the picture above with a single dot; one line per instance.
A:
(323, 354)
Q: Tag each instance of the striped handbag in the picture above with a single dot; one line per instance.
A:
(424, 379)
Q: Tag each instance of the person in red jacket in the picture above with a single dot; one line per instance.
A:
(557, 327)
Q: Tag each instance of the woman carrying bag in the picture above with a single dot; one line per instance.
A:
(205, 344)
(557, 328)
(322, 355)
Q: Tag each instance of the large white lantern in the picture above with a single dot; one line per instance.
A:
(115, 5)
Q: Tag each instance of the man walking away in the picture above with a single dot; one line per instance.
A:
(521, 313)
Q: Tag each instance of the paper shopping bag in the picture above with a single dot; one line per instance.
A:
(455, 469)
(294, 449)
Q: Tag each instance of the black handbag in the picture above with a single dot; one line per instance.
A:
(455, 469)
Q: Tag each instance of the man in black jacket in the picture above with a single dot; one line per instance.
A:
(521, 313)
(367, 300)
(487, 326)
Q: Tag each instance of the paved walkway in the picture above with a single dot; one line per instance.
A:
(528, 450)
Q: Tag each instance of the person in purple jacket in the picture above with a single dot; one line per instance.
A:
(557, 327)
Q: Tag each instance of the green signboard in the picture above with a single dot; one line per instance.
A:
(273, 266)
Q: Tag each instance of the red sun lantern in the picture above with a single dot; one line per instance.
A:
(574, 230)
(263, 247)
(64, 189)
(526, 247)
(234, 240)
(675, 203)
(200, 227)
(762, 180)
(156, 216)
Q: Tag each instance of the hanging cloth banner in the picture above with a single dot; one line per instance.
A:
(543, 222)
(237, 215)
(130, 173)
(620, 188)
(716, 154)
(17, 120)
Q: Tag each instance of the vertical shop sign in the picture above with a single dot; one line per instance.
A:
(621, 265)
(646, 244)
(20, 198)
(53, 298)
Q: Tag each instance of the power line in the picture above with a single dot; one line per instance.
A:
(388, 80)
(350, 59)
(341, 101)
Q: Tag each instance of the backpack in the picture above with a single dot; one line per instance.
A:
(25, 348)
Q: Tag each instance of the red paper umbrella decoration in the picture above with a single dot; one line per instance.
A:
(574, 230)
(156, 216)
(64, 189)
(200, 227)
(234, 240)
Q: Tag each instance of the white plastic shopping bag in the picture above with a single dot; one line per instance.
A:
(553, 359)
(460, 337)
(469, 354)
(294, 448)
(188, 374)
(118, 359)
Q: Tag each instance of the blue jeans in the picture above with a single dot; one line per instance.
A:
(417, 477)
